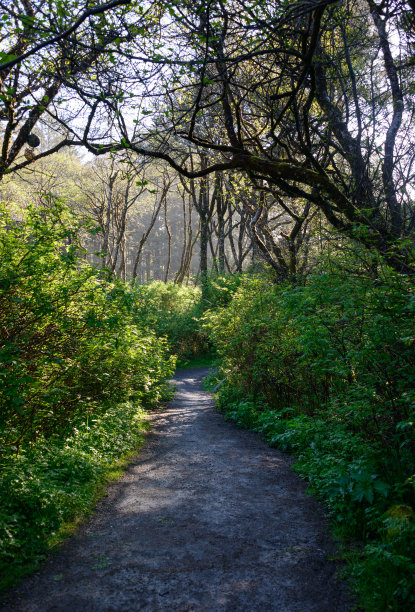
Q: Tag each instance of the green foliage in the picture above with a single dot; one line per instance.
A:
(384, 573)
(257, 347)
(211, 381)
(326, 371)
(69, 346)
(175, 312)
(76, 368)
(220, 289)
(55, 481)
(340, 467)
(341, 346)
(345, 473)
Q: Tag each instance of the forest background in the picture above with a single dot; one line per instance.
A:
(228, 177)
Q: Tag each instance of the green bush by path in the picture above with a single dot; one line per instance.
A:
(56, 481)
(340, 347)
(69, 343)
(76, 371)
(326, 371)
(344, 472)
(175, 312)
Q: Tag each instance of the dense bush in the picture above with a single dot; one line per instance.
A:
(69, 346)
(55, 481)
(175, 311)
(76, 369)
(326, 371)
(344, 471)
(338, 346)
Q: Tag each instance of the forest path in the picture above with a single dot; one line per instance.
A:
(207, 517)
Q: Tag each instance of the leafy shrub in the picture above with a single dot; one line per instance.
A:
(258, 347)
(384, 574)
(68, 343)
(220, 289)
(343, 471)
(55, 481)
(76, 370)
(326, 371)
(337, 347)
(172, 311)
(176, 311)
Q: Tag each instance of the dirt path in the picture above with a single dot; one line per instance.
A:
(207, 518)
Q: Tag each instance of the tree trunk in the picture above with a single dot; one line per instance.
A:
(166, 277)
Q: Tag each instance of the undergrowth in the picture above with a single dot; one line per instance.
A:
(175, 312)
(55, 482)
(345, 473)
(325, 371)
(77, 368)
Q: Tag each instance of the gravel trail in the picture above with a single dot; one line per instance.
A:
(207, 518)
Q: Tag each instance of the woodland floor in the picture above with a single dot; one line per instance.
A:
(207, 517)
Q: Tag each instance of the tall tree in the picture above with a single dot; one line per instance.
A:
(307, 98)
(311, 99)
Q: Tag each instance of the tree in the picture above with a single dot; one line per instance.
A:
(59, 60)
(306, 98)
